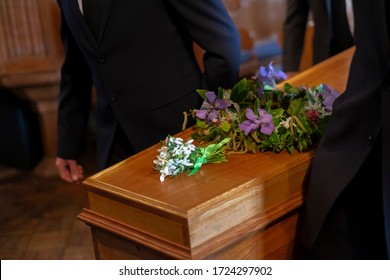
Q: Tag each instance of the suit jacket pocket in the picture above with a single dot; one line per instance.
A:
(173, 91)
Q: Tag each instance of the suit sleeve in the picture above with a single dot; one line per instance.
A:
(294, 33)
(212, 28)
(75, 98)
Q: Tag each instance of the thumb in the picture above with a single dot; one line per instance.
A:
(76, 171)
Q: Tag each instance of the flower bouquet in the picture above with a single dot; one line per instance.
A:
(254, 116)
(177, 156)
(259, 116)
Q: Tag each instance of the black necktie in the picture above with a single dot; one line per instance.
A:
(91, 10)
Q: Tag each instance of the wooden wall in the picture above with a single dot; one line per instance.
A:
(260, 23)
(30, 61)
(29, 41)
(261, 18)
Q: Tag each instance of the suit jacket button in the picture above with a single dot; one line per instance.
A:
(113, 97)
(370, 139)
(102, 60)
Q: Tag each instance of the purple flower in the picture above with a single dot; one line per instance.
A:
(268, 75)
(209, 108)
(328, 97)
(326, 88)
(253, 122)
(260, 91)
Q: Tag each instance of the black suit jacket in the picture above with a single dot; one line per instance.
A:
(359, 115)
(143, 67)
(325, 43)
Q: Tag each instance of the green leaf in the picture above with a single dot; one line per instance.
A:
(304, 124)
(240, 90)
(220, 93)
(284, 136)
(204, 135)
(287, 87)
(277, 113)
(304, 144)
(268, 105)
(300, 146)
(202, 92)
(201, 123)
(254, 135)
(225, 126)
(274, 139)
(295, 107)
(256, 105)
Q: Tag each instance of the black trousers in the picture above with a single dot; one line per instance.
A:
(121, 147)
(354, 229)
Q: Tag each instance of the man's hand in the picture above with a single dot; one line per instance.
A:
(69, 170)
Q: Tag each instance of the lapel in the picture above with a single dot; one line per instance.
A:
(104, 15)
(75, 16)
(386, 136)
(387, 15)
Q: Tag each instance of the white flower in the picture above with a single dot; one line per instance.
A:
(285, 124)
(174, 157)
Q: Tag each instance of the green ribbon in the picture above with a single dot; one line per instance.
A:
(206, 153)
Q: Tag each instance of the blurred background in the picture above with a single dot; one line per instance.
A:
(38, 213)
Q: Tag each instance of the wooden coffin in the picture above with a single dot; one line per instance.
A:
(246, 208)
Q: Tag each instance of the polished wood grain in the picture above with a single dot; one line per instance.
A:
(180, 216)
(333, 71)
(30, 46)
(246, 208)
